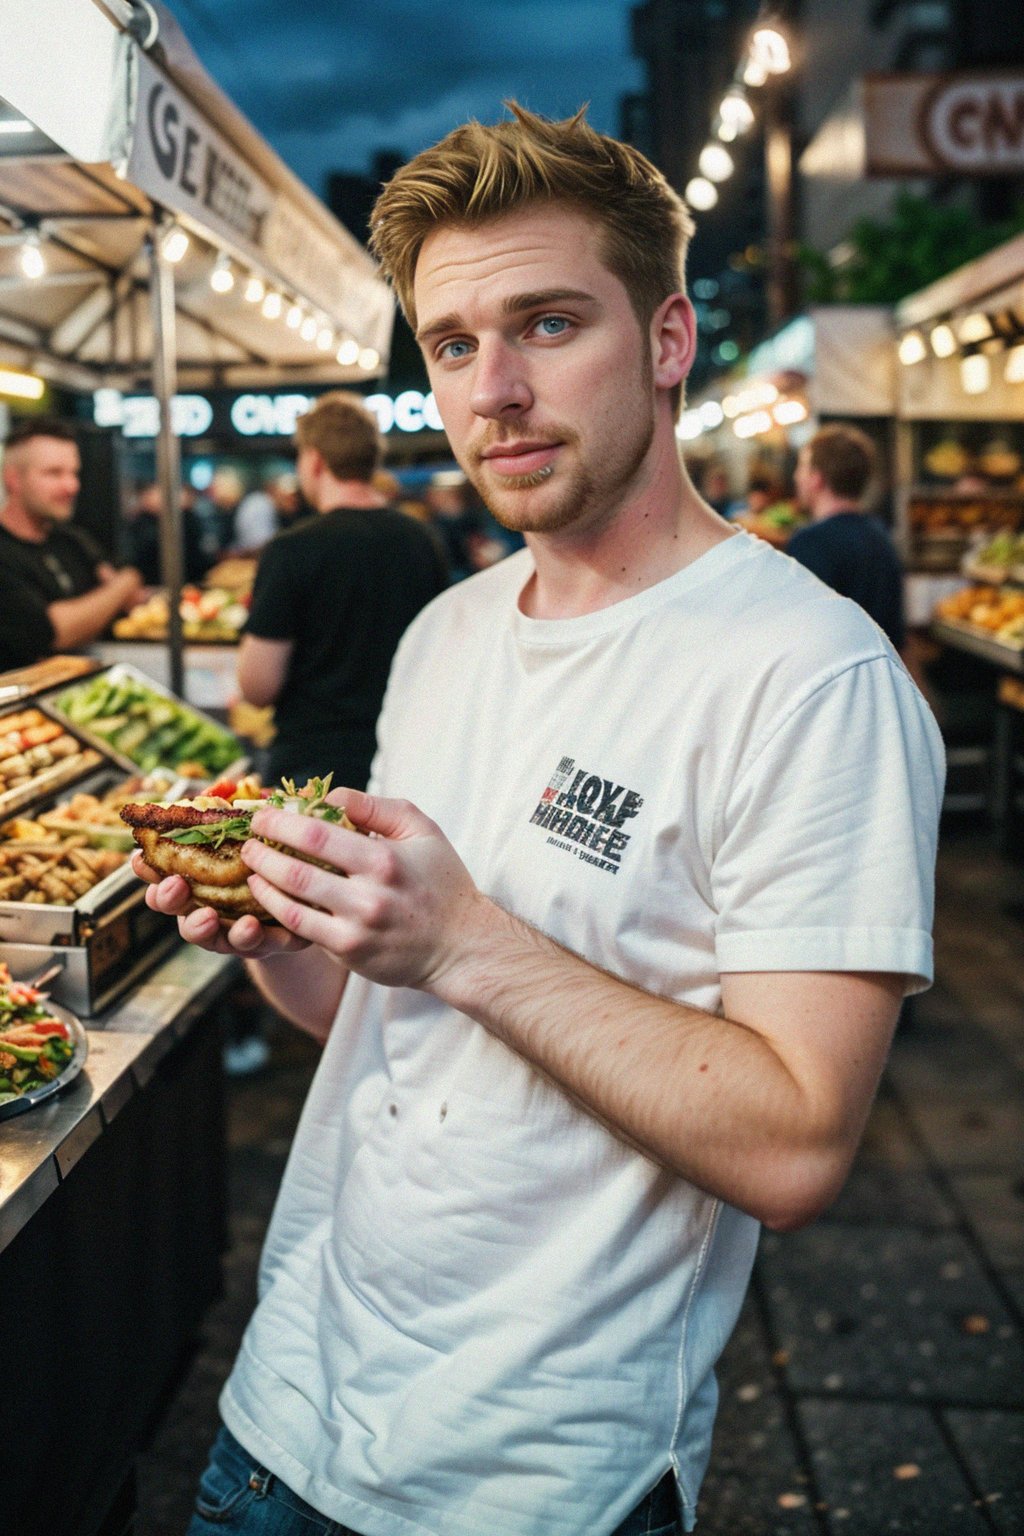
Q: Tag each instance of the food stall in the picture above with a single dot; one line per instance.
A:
(960, 400)
(150, 239)
(111, 1088)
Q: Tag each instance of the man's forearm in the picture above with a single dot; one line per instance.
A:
(305, 987)
(76, 620)
(708, 1098)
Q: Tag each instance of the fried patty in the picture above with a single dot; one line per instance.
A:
(217, 877)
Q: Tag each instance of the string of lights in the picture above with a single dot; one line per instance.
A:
(767, 55)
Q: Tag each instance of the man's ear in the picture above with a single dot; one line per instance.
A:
(673, 341)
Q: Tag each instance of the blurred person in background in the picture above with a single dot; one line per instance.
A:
(844, 545)
(51, 572)
(258, 516)
(142, 536)
(332, 599)
(716, 487)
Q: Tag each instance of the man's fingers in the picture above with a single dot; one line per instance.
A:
(375, 813)
(143, 870)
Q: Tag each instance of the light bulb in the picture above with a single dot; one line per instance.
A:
(255, 289)
(715, 162)
(770, 49)
(33, 263)
(272, 306)
(348, 352)
(174, 244)
(369, 359)
(222, 278)
(701, 194)
(293, 319)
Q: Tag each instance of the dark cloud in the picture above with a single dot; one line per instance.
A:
(329, 85)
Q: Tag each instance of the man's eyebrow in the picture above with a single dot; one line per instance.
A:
(515, 304)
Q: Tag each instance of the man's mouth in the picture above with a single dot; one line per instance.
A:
(516, 460)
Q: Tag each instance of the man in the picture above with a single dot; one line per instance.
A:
(612, 980)
(51, 571)
(333, 597)
(843, 545)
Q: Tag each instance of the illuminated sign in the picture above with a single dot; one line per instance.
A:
(255, 415)
(927, 125)
(139, 415)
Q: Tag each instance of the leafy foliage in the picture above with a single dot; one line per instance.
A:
(919, 243)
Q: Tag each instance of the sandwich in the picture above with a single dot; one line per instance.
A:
(201, 840)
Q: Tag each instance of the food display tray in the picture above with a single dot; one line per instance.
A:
(58, 775)
(126, 943)
(72, 923)
(124, 670)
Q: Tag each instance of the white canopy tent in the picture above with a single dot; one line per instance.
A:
(169, 243)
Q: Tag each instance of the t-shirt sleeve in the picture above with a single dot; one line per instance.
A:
(276, 599)
(826, 839)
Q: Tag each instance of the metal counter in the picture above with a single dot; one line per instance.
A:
(126, 1045)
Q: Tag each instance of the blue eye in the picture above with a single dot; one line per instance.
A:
(553, 325)
(450, 350)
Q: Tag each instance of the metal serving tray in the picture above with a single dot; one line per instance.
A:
(117, 671)
(66, 771)
(67, 924)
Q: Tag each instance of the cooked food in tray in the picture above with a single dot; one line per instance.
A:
(35, 750)
(56, 856)
(148, 726)
(202, 839)
(210, 613)
(36, 1047)
(998, 614)
(56, 876)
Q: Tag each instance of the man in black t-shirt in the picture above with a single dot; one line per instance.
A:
(333, 597)
(56, 590)
(843, 545)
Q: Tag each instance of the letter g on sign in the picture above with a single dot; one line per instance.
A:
(163, 124)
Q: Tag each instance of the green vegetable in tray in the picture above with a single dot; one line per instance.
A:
(152, 730)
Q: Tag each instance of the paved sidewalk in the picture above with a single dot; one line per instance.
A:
(876, 1380)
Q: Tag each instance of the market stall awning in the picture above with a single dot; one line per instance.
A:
(123, 126)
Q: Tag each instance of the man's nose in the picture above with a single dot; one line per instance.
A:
(500, 385)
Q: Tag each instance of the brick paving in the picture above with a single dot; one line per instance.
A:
(875, 1382)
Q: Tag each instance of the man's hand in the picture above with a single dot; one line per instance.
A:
(401, 905)
(247, 938)
(126, 582)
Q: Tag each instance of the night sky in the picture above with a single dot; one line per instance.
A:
(329, 83)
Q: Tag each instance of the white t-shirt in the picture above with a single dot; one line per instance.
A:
(480, 1313)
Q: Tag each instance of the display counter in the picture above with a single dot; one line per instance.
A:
(112, 1223)
(1006, 778)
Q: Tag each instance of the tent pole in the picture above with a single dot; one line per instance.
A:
(168, 460)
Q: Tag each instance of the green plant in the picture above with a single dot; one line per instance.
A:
(920, 242)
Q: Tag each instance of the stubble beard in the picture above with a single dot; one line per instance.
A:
(585, 497)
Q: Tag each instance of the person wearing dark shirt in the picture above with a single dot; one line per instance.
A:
(332, 599)
(51, 573)
(845, 547)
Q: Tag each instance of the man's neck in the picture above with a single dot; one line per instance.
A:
(17, 519)
(348, 493)
(830, 506)
(662, 527)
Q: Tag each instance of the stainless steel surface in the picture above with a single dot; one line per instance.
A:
(1004, 657)
(126, 1046)
(168, 459)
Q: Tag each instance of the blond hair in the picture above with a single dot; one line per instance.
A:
(478, 173)
(344, 433)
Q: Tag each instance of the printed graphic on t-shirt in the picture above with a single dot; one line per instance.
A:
(584, 814)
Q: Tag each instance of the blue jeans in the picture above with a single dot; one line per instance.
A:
(239, 1497)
